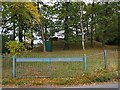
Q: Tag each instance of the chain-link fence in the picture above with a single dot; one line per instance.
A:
(112, 59)
(95, 62)
(104, 70)
(61, 69)
(6, 66)
(48, 67)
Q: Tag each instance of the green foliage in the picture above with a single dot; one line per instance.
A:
(22, 17)
(64, 17)
(8, 81)
(67, 20)
(27, 45)
(4, 40)
(106, 22)
(21, 83)
(15, 47)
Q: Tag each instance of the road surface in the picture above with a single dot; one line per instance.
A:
(114, 85)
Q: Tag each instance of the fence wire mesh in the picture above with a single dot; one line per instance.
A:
(30, 69)
(48, 69)
(102, 72)
(6, 66)
(95, 62)
(112, 60)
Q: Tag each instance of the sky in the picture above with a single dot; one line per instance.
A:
(86, 1)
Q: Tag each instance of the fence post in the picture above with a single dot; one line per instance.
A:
(14, 66)
(105, 66)
(84, 62)
(50, 68)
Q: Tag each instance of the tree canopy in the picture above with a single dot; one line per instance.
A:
(74, 21)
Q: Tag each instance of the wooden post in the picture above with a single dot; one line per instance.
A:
(84, 63)
(105, 66)
(14, 66)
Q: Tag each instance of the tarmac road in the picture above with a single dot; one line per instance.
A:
(113, 85)
(108, 86)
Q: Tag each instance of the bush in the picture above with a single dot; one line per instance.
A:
(27, 45)
(4, 39)
(15, 47)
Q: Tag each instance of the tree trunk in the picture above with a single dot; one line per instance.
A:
(14, 31)
(20, 34)
(82, 30)
(24, 35)
(43, 39)
(32, 39)
(41, 30)
(32, 44)
(92, 25)
(105, 25)
(20, 29)
(87, 36)
(66, 34)
(45, 29)
(76, 28)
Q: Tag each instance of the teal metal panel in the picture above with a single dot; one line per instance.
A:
(14, 67)
(84, 62)
(49, 59)
(105, 62)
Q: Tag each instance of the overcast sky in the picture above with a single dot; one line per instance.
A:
(87, 1)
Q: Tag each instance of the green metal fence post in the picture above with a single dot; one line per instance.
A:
(14, 66)
(105, 66)
(84, 62)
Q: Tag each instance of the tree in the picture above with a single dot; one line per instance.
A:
(41, 29)
(107, 19)
(67, 21)
(20, 17)
(81, 24)
(92, 26)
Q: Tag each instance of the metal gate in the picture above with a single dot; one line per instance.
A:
(48, 67)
